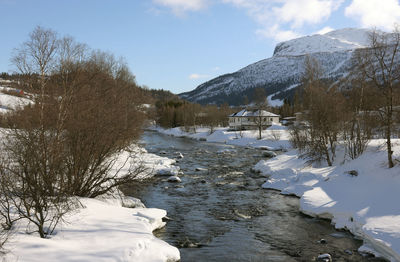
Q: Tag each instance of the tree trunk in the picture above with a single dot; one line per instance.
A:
(388, 138)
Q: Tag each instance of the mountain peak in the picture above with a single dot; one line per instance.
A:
(333, 41)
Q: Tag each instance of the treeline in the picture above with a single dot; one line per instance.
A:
(180, 113)
(159, 94)
(87, 110)
(364, 105)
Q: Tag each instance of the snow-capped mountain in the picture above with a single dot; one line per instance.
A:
(282, 73)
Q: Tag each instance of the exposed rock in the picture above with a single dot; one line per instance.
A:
(201, 169)
(268, 148)
(253, 170)
(347, 251)
(167, 172)
(237, 213)
(189, 244)
(269, 154)
(324, 258)
(226, 151)
(174, 179)
(352, 172)
(179, 155)
(322, 241)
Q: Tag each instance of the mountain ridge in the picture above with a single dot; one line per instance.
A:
(280, 74)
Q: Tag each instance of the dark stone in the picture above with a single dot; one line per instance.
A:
(189, 244)
(324, 258)
(347, 251)
(322, 241)
(269, 154)
(352, 172)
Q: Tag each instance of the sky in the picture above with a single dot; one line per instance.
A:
(178, 44)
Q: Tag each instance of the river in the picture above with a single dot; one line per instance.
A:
(221, 213)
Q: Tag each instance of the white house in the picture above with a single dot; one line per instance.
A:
(250, 119)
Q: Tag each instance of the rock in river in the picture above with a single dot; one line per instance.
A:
(174, 179)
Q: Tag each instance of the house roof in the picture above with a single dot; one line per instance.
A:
(250, 113)
(289, 118)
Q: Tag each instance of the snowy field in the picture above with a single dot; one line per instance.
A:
(366, 203)
(10, 102)
(104, 229)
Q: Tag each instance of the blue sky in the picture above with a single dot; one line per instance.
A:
(179, 44)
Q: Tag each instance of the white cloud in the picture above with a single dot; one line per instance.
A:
(277, 33)
(283, 19)
(300, 12)
(375, 13)
(324, 30)
(197, 76)
(277, 19)
(179, 7)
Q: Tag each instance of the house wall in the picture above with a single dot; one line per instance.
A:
(250, 122)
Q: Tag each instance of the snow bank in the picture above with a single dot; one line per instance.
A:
(276, 136)
(98, 232)
(152, 164)
(366, 204)
(104, 229)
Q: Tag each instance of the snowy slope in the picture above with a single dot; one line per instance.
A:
(10, 102)
(334, 41)
(285, 68)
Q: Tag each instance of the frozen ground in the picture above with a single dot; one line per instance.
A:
(366, 204)
(102, 230)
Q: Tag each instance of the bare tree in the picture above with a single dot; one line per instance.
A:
(260, 104)
(318, 139)
(379, 65)
(357, 117)
(69, 143)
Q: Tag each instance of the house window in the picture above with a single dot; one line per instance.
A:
(248, 119)
(271, 119)
(265, 119)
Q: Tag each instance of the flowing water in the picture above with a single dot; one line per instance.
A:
(221, 213)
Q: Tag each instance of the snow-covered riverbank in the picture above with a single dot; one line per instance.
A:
(360, 195)
(104, 229)
(275, 137)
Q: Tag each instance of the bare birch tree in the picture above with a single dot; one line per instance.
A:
(379, 65)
